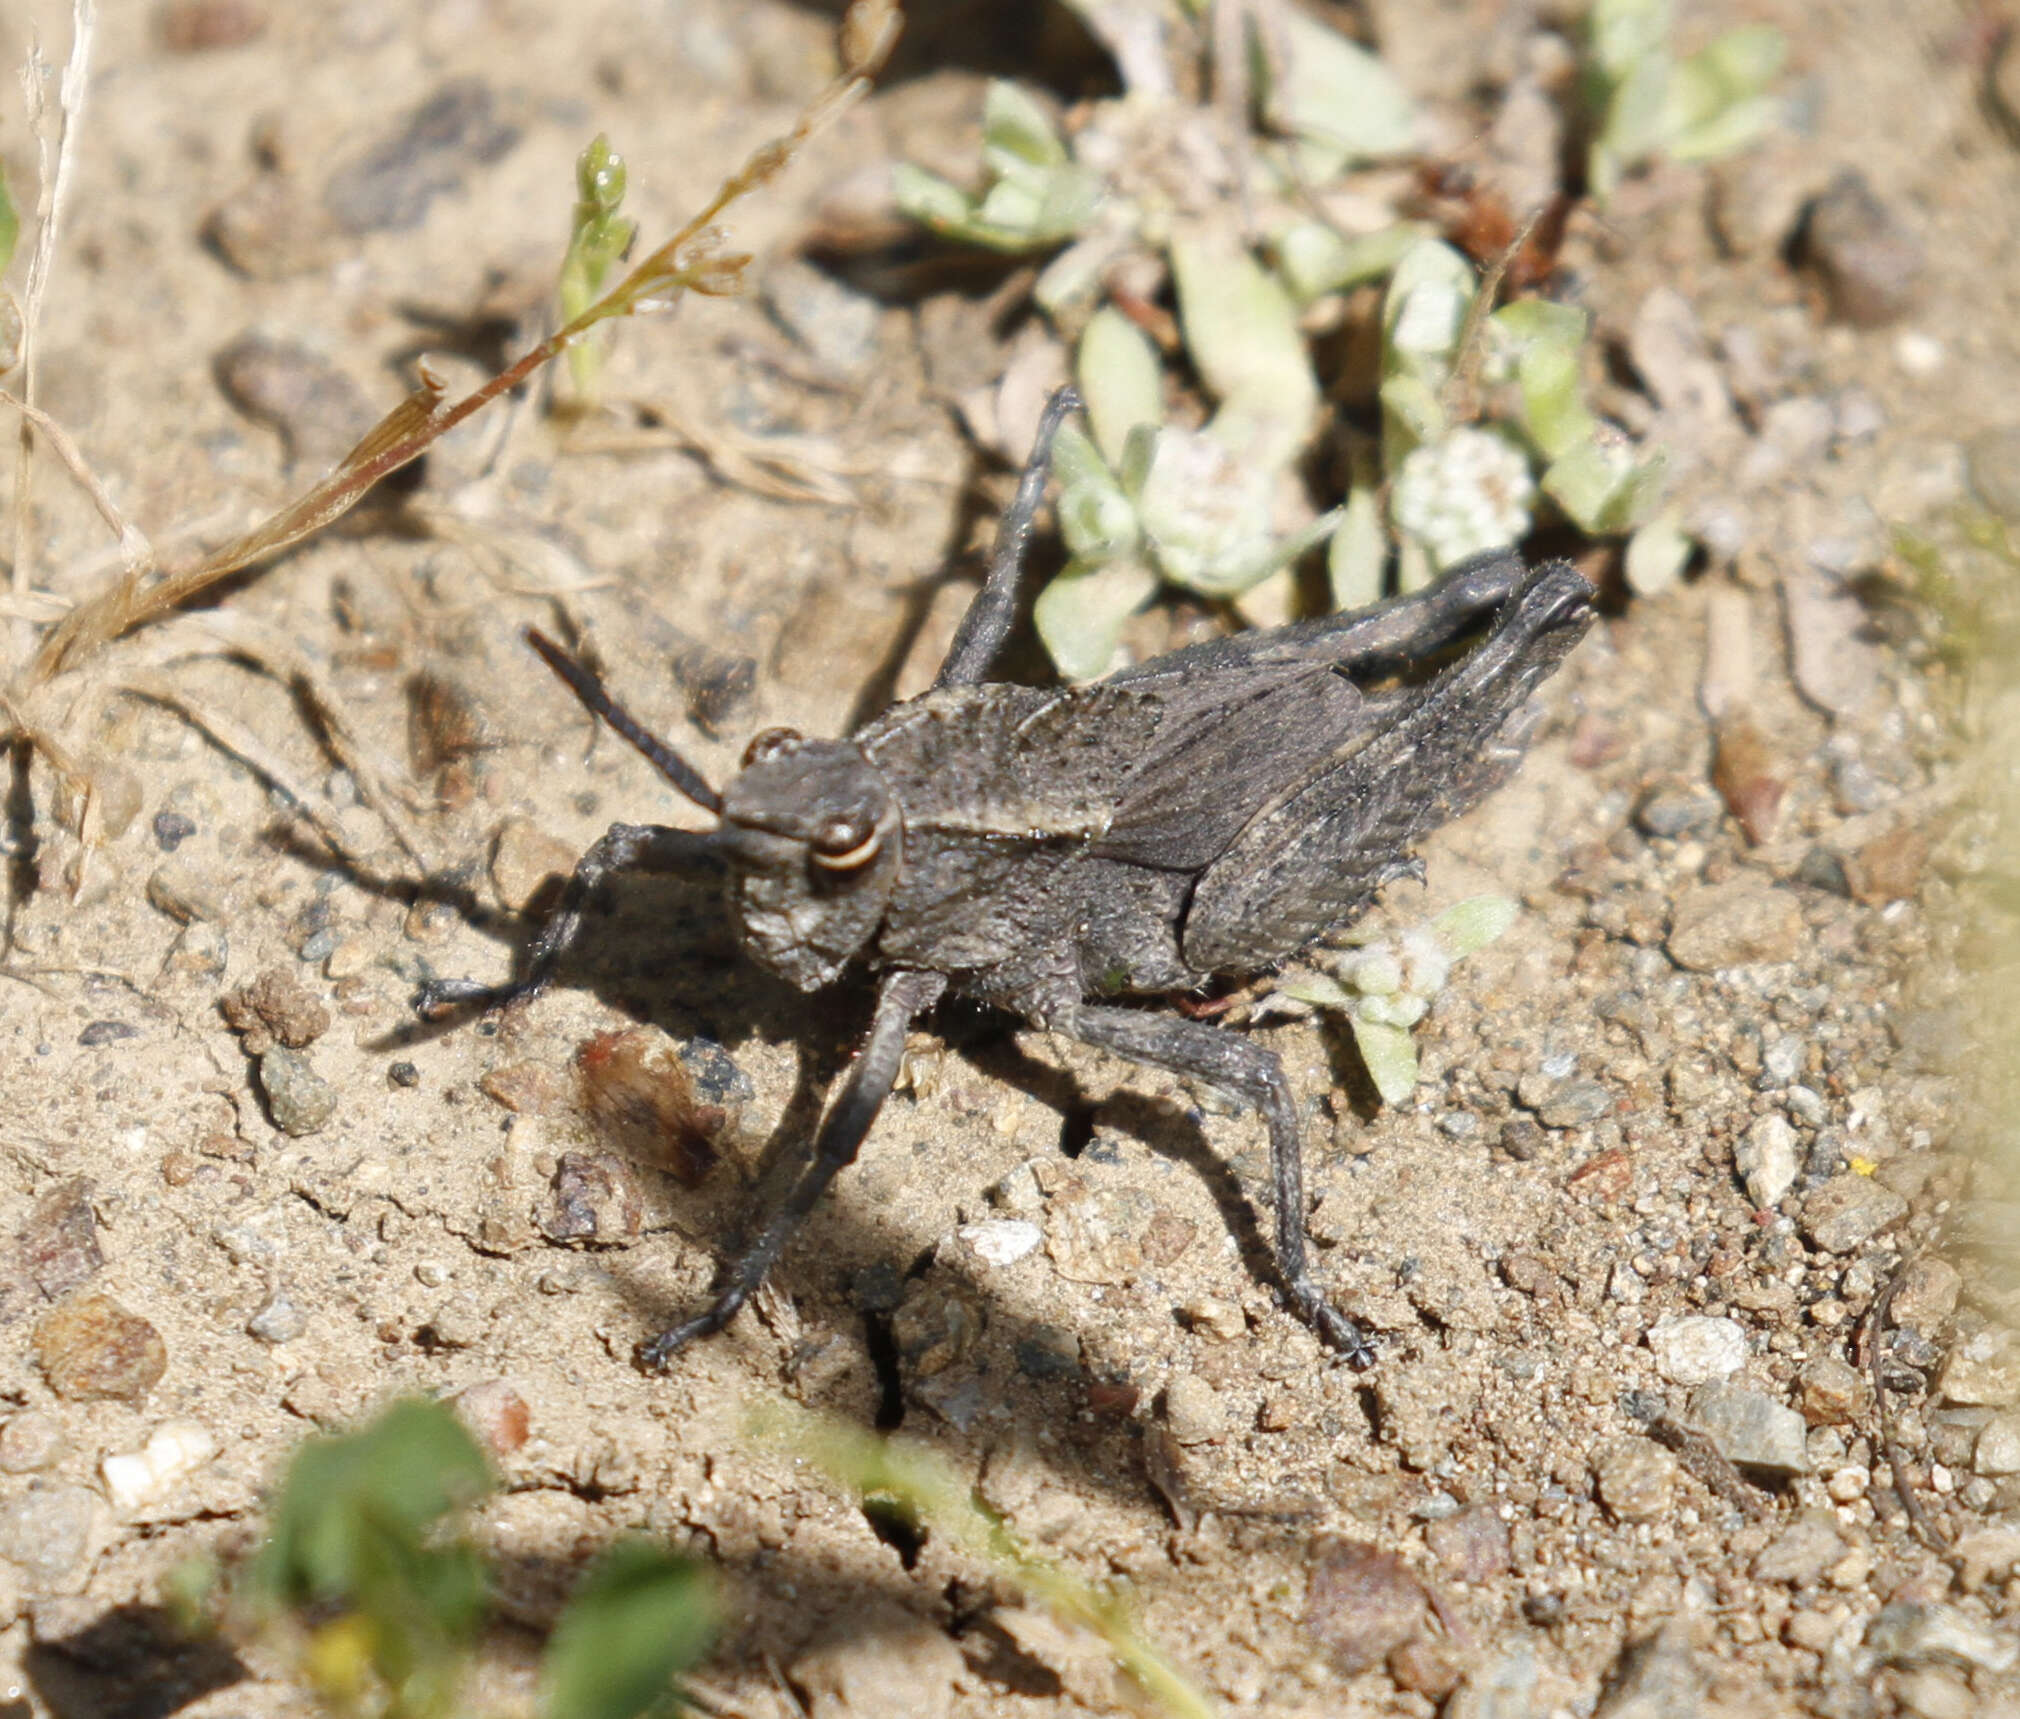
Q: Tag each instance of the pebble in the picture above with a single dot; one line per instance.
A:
(50, 1533)
(171, 830)
(90, 1348)
(1992, 464)
(1930, 1692)
(1500, 1688)
(1636, 1480)
(1656, 1676)
(1918, 1632)
(1472, 1545)
(1574, 1104)
(1734, 924)
(1050, 1352)
(1749, 1429)
(274, 1009)
(1217, 1318)
(837, 325)
(1678, 812)
(1999, 1445)
(175, 1450)
(1001, 1241)
(98, 1033)
(1848, 1211)
(1831, 1393)
(1848, 1484)
(1362, 1604)
(1806, 1105)
(176, 890)
(914, 1669)
(1984, 1368)
(280, 1319)
(1193, 1410)
(1832, 656)
(30, 1442)
(529, 867)
(1800, 1555)
(1869, 263)
(1767, 1161)
(389, 187)
(1693, 1348)
(299, 1100)
(495, 1413)
(594, 1200)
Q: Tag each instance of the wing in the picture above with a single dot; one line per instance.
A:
(1314, 855)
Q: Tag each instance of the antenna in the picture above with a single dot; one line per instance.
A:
(597, 702)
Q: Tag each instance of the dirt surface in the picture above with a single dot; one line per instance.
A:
(244, 1230)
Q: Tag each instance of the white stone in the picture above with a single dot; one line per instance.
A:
(1693, 1348)
(1766, 1160)
(1001, 1241)
(177, 1448)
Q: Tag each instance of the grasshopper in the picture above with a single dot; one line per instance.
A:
(1058, 851)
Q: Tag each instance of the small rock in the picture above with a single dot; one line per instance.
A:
(57, 1249)
(1001, 1241)
(1819, 868)
(1092, 1230)
(1803, 1551)
(299, 1100)
(1575, 1104)
(1848, 1211)
(280, 1319)
(1500, 1688)
(389, 187)
(834, 323)
(1362, 1604)
(1750, 774)
(1919, 1632)
(51, 1532)
(176, 890)
(98, 1033)
(201, 26)
(529, 867)
(1830, 1393)
(30, 1442)
(1214, 1316)
(1748, 1429)
(496, 1415)
(1831, 653)
(1193, 1410)
(1472, 1546)
(1636, 1480)
(595, 1201)
(171, 830)
(1992, 462)
(1869, 263)
(1925, 1295)
(1693, 1348)
(1676, 812)
(1767, 1161)
(1733, 924)
(934, 1326)
(524, 1088)
(1983, 1368)
(1655, 1678)
(1930, 1692)
(1806, 1105)
(317, 410)
(1048, 1353)
(1889, 867)
(1998, 1450)
(174, 1451)
(879, 1659)
(1522, 1138)
(90, 1348)
(274, 1009)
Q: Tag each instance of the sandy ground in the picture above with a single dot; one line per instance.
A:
(238, 291)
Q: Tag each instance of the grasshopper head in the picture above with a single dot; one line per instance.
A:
(812, 834)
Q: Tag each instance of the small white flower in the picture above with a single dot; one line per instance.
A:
(1467, 492)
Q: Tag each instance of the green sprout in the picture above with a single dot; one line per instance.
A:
(1035, 196)
(598, 238)
(1644, 102)
(386, 1602)
(1385, 986)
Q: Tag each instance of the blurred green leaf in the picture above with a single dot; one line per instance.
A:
(1470, 925)
(1547, 340)
(1097, 520)
(1657, 554)
(1390, 1055)
(1016, 131)
(1120, 379)
(1315, 258)
(1242, 334)
(1603, 487)
(1081, 614)
(1338, 99)
(1359, 551)
(1718, 101)
(641, 1616)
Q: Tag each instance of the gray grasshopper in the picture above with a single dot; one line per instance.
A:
(1054, 852)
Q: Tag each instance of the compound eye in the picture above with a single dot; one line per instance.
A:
(847, 844)
(768, 743)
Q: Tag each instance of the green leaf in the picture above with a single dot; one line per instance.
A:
(1603, 488)
(1331, 92)
(1120, 379)
(1470, 925)
(1390, 1055)
(1242, 333)
(1017, 131)
(1081, 614)
(1316, 988)
(1097, 520)
(1358, 552)
(1657, 554)
(1717, 100)
(641, 1616)
(1315, 258)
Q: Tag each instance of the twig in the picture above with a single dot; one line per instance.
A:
(1925, 1530)
(55, 184)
